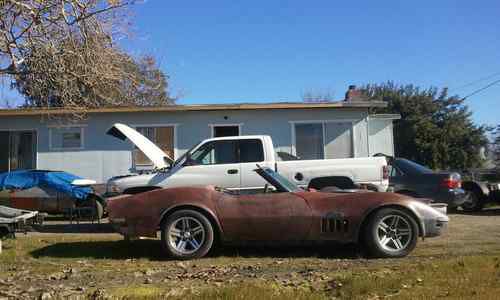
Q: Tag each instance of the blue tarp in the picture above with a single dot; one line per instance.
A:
(60, 181)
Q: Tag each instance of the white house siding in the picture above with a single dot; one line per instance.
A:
(103, 156)
(381, 136)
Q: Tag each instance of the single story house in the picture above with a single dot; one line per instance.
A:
(30, 139)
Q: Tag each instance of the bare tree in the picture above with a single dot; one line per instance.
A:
(318, 96)
(61, 53)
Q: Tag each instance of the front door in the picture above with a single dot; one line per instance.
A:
(216, 160)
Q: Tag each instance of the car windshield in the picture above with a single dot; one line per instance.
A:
(181, 159)
(279, 182)
(413, 167)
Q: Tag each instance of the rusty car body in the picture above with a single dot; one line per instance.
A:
(191, 219)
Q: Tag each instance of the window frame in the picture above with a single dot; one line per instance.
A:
(212, 127)
(37, 140)
(55, 127)
(154, 125)
(293, 145)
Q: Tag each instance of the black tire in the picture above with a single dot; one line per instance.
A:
(474, 202)
(168, 244)
(373, 236)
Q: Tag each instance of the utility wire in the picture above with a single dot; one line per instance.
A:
(475, 81)
(482, 89)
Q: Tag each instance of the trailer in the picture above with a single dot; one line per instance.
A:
(14, 220)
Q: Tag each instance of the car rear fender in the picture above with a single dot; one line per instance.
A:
(411, 211)
(196, 207)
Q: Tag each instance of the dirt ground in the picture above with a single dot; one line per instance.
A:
(90, 261)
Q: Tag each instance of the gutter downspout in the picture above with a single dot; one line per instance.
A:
(368, 134)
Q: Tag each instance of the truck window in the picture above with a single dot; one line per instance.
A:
(251, 151)
(215, 153)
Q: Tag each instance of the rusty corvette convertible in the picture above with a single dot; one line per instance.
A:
(193, 219)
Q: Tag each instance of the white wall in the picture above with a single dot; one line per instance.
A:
(381, 136)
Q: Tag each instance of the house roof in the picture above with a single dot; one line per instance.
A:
(200, 107)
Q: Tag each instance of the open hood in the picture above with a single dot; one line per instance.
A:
(159, 158)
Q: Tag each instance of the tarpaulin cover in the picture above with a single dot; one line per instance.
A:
(60, 181)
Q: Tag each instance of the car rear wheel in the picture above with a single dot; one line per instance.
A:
(187, 234)
(472, 202)
(390, 233)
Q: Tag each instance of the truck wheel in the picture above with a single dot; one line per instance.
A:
(390, 233)
(187, 234)
(473, 202)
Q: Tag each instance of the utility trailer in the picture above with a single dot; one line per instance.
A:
(14, 220)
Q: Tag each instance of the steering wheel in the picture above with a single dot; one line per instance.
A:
(266, 188)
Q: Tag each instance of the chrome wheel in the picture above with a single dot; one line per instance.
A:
(186, 235)
(394, 233)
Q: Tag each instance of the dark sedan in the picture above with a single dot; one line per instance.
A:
(409, 178)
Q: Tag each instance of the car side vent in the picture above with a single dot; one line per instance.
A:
(334, 223)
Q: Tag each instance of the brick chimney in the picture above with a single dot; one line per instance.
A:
(353, 94)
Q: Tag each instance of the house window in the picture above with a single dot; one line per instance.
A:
(17, 150)
(162, 136)
(309, 141)
(66, 138)
(225, 130)
(324, 139)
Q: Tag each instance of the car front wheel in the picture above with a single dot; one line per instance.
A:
(390, 233)
(187, 234)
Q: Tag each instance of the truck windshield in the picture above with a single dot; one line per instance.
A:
(182, 158)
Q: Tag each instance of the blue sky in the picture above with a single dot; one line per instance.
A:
(262, 51)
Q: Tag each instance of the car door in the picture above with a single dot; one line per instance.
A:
(215, 163)
(262, 217)
(251, 153)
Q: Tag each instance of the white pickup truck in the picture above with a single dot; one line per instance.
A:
(228, 162)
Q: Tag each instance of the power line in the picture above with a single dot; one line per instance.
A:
(482, 89)
(475, 81)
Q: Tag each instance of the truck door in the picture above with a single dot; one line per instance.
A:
(214, 163)
(251, 153)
